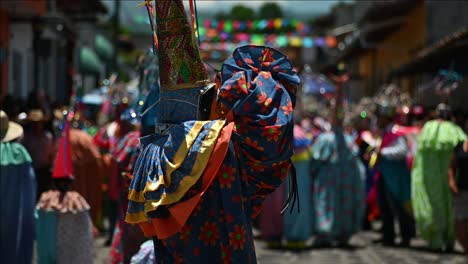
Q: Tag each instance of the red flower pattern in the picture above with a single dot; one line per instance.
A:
(178, 259)
(226, 254)
(271, 133)
(226, 176)
(209, 233)
(257, 166)
(237, 237)
(254, 144)
(236, 199)
(281, 171)
(242, 84)
(267, 57)
(185, 233)
(287, 108)
(249, 61)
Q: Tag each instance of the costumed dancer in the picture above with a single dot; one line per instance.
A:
(338, 182)
(197, 183)
(88, 170)
(393, 179)
(127, 238)
(367, 142)
(298, 225)
(17, 195)
(63, 225)
(106, 139)
(432, 199)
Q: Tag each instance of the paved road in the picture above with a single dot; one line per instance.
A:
(364, 252)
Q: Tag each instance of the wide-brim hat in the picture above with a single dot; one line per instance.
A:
(9, 130)
(36, 115)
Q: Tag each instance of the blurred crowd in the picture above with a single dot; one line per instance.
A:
(87, 195)
(383, 160)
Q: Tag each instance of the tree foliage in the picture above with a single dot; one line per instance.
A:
(270, 11)
(241, 12)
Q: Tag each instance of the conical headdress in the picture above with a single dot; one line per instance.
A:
(63, 168)
(181, 66)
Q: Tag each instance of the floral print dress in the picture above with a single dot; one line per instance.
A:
(258, 94)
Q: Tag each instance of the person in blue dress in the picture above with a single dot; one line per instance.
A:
(17, 195)
(298, 225)
(338, 193)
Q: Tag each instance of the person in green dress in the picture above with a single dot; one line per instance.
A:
(432, 199)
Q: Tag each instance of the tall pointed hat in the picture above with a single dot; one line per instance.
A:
(180, 63)
(63, 168)
(183, 77)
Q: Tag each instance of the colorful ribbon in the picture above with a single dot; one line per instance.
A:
(151, 16)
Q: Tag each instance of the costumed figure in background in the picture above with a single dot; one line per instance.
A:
(107, 139)
(127, 238)
(198, 183)
(63, 225)
(298, 225)
(393, 179)
(432, 199)
(87, 164)
(367, 141)
(17, 195)
(338, 181)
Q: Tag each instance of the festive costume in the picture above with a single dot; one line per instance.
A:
(367, 143)
(127, 238)
(64, 229)
(107, 139)
(88, 170)
(432, 199)
(17, 197)
(394, 187)
(338, 187)
(198, 184)
(63, 225)
(298, 225)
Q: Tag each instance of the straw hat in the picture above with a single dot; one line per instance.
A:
(36, 115)
(9, 130)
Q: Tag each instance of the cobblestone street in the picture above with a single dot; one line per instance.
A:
(363, 252)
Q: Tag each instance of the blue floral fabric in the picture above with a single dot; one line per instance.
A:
(338, 187)
(258, 94)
